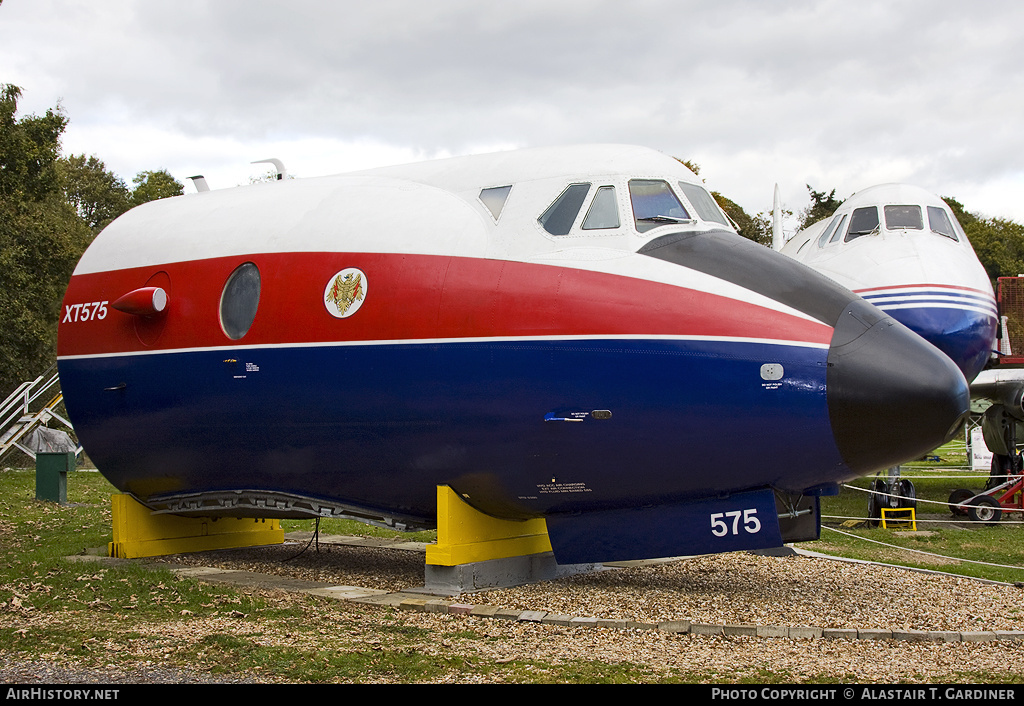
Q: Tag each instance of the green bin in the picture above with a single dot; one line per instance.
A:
(52, 475)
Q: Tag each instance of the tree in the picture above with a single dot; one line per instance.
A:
(41, 239)
(99, 196)
(150, 186)
(822, 206)
(757, 228)
(998, 242)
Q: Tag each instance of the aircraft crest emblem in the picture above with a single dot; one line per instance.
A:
(345, 292)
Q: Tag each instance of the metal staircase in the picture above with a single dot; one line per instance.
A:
(21, 413)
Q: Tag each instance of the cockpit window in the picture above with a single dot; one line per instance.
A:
(938, 221)
(903, 217)
(654, 204)
(832, 228)
(839, 231)
(604, 211)
(494, 199)
(561, 214)
(703, 203)
(864, 221)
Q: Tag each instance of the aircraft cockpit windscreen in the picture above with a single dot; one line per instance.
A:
(831, 234)
(908, 217)
(939, 222)
(863, 221)
(703, 203)
(655, 204)
(560, 215)
(604, 210)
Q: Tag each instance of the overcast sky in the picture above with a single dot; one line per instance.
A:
(837, 95)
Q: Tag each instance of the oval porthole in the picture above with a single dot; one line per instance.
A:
(239, 300)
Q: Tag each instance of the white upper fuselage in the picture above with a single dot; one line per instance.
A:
(441, 208)
(485, 206)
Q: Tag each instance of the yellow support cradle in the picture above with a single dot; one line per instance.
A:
(138, 532)
(466, 535)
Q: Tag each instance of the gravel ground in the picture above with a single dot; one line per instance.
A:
(730, 588)
(738, 588)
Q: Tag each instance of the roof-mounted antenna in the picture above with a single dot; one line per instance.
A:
(778, 237)
(199, 181)
(282, 173)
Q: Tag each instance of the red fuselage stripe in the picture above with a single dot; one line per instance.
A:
(407, 297)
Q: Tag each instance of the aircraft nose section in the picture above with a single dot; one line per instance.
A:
(892, 396)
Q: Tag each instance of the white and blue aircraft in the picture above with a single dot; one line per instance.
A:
(902, 249)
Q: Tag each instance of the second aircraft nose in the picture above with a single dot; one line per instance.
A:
(892, 396)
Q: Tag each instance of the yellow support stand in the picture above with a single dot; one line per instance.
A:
(140, 533)
(912, 519)
(465, 535)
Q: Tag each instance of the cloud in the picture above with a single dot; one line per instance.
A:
(755, 92)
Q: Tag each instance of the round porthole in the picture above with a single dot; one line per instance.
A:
(239, 300)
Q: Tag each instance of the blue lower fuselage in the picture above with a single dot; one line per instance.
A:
(357, 423)
(966, 335)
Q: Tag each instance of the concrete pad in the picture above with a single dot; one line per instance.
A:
(498, 573)
(386, 599)
(911, 635)
(675, 626)
(555, 619)
(978, 636)
(532, 616)
(805, 633)
(484, 611)
(1009, 634)
(706, 629)
(345, 593)
(634, 625)
(839, 634)
(874, 634)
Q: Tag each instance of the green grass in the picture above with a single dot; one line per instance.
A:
(99, 614)
(1002, 544)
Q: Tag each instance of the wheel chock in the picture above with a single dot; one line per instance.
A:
(910, 516)
(139, 532)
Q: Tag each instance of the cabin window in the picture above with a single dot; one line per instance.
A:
(239, 300)
(560, 216)
(703, 203)
(938, 221)
(864, 221)
(604, 211)
(909, 217)
(654, 204)
(494, 199)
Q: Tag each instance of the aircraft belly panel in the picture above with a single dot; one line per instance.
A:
(645, 421)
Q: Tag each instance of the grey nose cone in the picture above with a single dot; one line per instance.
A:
(892, 396)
